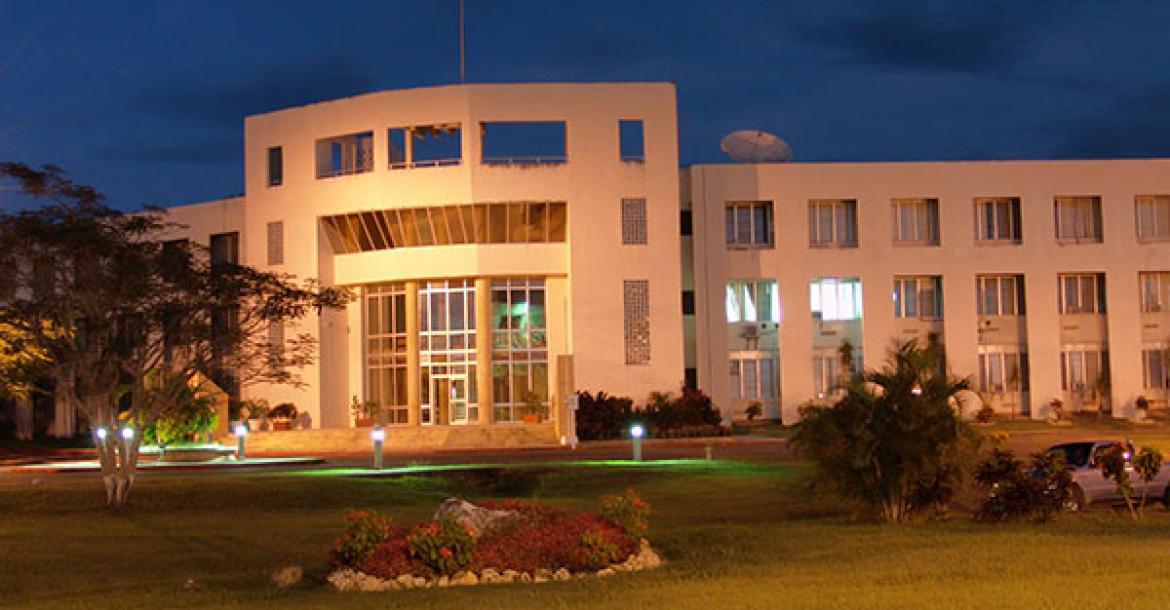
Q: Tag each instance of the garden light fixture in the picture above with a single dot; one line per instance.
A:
(241, 432)
(636, 433)
(378, 434)
(127, 433)
(101, 434)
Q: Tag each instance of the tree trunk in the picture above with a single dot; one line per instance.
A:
(24, 416)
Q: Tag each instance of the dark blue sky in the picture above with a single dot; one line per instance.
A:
(145, 100)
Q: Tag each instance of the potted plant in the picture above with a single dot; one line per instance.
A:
(1141, 407)
(753, 410)
(1055, 410)
(365, 413)
(255, 412)
(282, 416)
(533, 408)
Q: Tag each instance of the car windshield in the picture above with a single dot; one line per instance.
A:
(1075, 454)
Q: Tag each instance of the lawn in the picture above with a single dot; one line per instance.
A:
(736, 535)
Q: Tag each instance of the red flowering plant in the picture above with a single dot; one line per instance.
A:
(444, 546)
(551, 538)
(628, 510)
(364, 531)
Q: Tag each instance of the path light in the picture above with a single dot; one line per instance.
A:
(636, 433)
(379, 435)
(241, 432)
(101, 434)
(127, 433)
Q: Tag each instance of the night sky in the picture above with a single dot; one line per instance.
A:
(145, 100)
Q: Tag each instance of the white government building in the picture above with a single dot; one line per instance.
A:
(511, 244)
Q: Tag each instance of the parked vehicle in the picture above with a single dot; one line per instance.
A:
(1089, 482)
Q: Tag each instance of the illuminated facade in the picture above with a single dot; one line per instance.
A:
(509, 245)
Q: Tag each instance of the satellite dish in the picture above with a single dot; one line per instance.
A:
(753, 146)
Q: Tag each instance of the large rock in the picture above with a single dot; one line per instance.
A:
(476, 519)
(287, 577)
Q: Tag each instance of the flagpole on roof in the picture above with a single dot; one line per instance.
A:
(462, 64)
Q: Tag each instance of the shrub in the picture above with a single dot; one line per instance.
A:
(754, 409)
(985, 415)
(1147, 463)
(602, 417)
(364, 531)
(552, 538)
(627, 510)
(284, 410)
(892, 442)
(196, 415)
(1038, 493)
(444, 546)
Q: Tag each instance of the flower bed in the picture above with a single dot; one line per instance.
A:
(522, 542)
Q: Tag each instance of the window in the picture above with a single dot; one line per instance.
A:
(691, 377)
(523, 143)
(1155, 291)
(225, 248)
(918, 297)
(276, 243)
(1078, 219)
(685, 223)
(636, 307)
(1081, 293)
(688, 302)
(999, 295)
(348, 154)
(1155, 365)
(275, 166)
(1153, 217)
(997, 220)
(494, 223)
(832, 223)
(631, 141)
(385, 349)
(753, 377)
(1084, 370)
(447, 349)
(1003, 371)
(835, 298)
(826, 374)
(425, 146)
(749, 224)
(633, 221)
(916, 221)
(752, 301)
(519, 347)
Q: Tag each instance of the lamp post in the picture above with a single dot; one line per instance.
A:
(636, 432)
(241, 432)
(379, 435)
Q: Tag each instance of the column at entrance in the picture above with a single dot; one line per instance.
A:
(483, 348)
(412, 369)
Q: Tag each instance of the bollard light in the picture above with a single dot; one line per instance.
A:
(636, 433)
(101, 434)
(241, 432)
(916, 390)
(127, 433)
(378, 434)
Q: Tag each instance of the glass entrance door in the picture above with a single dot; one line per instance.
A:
(449, 399)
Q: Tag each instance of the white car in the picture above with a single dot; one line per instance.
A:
(1089, 482)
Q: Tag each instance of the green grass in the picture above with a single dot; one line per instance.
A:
(736, 535)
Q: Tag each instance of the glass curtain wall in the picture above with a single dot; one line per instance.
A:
(447, 391)
(519, 349)
(385, 319)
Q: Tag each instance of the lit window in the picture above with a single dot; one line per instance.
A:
(1155, 363)
(918, 297)
(1084, 370)
(833, 298)
(753, 376)
(832, 223)
(916, 221)
(749, 224)
(1082, 293)
(385, 325)
(752, 301)
(1155, 291)
(1002, 371)
(826, 374)
(1153, 217)
(519, 346)
(1078, 219)
(997, 219)
(1000, 295)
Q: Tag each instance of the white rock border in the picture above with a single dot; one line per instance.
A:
(348, 579)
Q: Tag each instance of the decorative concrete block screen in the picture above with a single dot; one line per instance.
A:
(636, 296)
(276, 243)
(633, 221)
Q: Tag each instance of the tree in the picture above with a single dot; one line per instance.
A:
(1147, 463)
(1112, 463)
(892, 442)
(131, 321)
(1039, 491)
